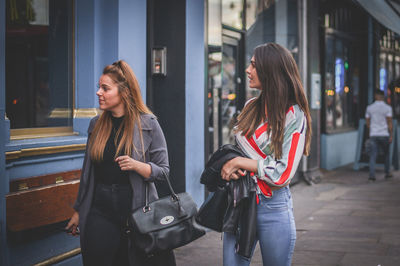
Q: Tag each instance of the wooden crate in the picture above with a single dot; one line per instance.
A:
(41, 200)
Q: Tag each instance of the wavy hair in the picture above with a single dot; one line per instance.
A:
(128, 88)
(281, 88)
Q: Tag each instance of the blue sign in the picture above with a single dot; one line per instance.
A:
(339, 75)
(382, 79)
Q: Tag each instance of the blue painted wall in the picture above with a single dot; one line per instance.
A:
(105, 31)
(132, 23)
(194, 87)
(334, 155)
(85, 77)
(105, 37)
(3, 179)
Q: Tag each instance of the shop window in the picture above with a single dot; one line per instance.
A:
(232, 13)
(341, 68)
(388, 73)
(270, 21)
(341, 84)
(39, 57)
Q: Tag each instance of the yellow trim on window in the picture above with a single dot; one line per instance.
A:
(41, 132)
(61, 113)
(44, 150)
(86, 112)
(45, 132)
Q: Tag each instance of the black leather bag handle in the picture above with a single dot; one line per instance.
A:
(174, 196)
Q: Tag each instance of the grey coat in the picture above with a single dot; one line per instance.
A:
(156, 155)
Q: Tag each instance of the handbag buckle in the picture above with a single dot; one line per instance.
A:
(146, 208)
(175, 197)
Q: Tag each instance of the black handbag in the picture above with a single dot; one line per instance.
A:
(212, 211)
(166, 223)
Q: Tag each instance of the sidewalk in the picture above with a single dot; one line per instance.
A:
(343, 220)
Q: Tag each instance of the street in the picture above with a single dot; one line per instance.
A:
(343, 220)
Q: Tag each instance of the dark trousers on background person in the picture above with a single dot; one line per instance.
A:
(106, 242)
(376, 144)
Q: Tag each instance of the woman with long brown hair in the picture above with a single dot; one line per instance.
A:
(126, 149)
(274, 130)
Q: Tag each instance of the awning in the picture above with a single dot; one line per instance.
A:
(386, 12)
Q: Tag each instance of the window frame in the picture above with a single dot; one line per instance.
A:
(348, 41)
(45, 132)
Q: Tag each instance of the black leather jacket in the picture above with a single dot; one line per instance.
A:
(232, 207)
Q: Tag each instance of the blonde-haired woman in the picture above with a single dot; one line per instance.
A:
(126, 149)
(274, 130)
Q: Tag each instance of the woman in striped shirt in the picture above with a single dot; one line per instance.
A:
(274, 130)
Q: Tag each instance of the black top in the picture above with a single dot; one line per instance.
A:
(108, 171)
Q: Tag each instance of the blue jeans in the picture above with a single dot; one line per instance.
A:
(276, 232)
(383, 143)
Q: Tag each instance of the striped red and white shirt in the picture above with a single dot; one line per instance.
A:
(274, 172)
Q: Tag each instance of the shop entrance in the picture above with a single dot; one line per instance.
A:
(228, 99)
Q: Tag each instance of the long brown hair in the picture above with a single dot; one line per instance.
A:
(128, 88)
(281, 88)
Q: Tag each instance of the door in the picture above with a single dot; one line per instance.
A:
(231, 94)
(228, 98)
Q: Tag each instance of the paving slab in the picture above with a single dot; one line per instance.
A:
(317, 258)
(343, 220)
(342, 246)
(351, 259)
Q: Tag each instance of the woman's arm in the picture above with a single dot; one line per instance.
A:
(158, 154)
(279, 172)
(276, 172)
(127, 163)
(237, 166)
(86, 164)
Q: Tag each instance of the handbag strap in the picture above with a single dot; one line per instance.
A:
(174, 196)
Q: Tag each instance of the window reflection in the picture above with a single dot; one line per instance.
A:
(254, 8)
(388, 73)
(39, 63)
(264, 25)
(232, 13)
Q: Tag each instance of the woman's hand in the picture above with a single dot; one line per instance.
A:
(72, 227)
(231, 170)
(126, 163)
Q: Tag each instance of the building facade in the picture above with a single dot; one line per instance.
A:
(190, 58)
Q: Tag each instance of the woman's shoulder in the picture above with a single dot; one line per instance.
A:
(92, 123)
(295, 110)
(146, 116)
(295, 115)
(148, 121)
(249, 101)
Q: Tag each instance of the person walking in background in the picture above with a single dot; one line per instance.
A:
(274, 131)
(126, 149)
(379, 122)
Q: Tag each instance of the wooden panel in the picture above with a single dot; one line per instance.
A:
(44, 180)
(41, 200)
(41, 206)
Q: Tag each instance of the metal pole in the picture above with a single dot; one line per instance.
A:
(303, 58)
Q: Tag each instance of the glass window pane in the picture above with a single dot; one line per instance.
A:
(264, 25)
(232, 13)
(254, 8)
(39, 63)
(229, 91)
(214, 22)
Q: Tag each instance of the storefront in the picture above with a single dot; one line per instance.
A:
(52, 55)
(190, 58)
(358, 55)
(235, 28)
